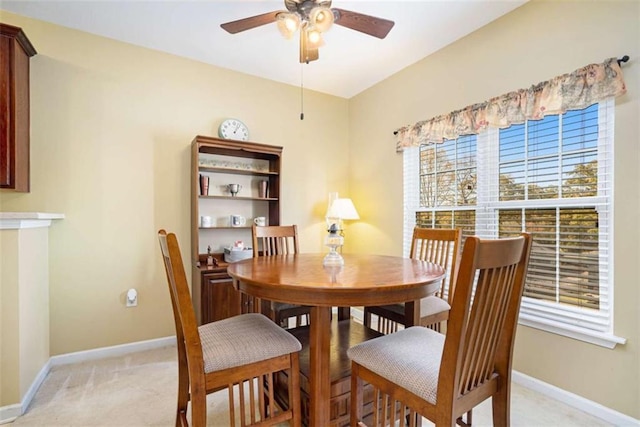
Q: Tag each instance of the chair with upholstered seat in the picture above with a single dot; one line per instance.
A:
(439, 246)
(241, 352)
(279, 240)
(420, 372)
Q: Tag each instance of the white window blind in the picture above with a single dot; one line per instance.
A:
(551, 177)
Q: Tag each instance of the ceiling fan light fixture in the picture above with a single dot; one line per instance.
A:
(314, 37)
(288, 24)
(312, 18)
(321, 17)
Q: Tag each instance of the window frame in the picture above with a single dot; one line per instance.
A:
(552, 317)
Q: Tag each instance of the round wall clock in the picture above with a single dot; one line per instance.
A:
(233, 129)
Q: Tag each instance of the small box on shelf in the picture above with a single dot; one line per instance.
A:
(231, 255)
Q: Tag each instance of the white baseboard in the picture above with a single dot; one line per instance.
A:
(585, 405)
(113, 351)
(35, 385)
(10, 412)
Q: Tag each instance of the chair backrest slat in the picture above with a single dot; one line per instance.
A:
(438, 246)
(275, 240)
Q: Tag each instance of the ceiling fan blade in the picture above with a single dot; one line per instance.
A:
(307, 53)
(371, 25)
(244, 24)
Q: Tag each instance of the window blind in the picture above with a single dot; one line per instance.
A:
(550, 174)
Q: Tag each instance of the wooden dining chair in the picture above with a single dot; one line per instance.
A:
(440, 246)
(240, 352)
(420, 372)
(279, 240)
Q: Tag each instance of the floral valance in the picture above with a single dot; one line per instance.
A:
(573, 91)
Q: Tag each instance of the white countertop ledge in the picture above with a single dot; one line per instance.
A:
(18, 220)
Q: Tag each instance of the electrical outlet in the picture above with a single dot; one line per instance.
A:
(132, 298)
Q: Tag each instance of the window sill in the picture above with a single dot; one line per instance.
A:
(592, 337)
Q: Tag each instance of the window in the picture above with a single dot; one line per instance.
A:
(550, 177)
(448, 185)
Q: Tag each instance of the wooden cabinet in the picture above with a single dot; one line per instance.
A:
(217, 297)
(221, 162)
(15, 51)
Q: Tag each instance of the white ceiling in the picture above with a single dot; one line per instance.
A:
(349, 63)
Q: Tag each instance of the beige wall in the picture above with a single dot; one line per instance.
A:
(9, 315)
(33, 302)
(536, 42)
(24, 310)
(111, 128)
(112, 124)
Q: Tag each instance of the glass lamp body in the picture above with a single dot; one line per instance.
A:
(333, 241)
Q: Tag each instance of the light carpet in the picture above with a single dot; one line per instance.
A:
(139, 389)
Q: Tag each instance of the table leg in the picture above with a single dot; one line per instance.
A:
(320, 382)
(412, 313)
(344, 313)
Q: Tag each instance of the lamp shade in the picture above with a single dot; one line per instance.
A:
(342, 209)
(321, 17)
(288, 23)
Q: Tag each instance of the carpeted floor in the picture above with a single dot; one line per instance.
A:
(140, 390)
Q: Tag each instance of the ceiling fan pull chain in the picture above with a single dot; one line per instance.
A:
(301, 92)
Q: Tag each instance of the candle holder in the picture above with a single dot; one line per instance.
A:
(234, 189)
(333, 241)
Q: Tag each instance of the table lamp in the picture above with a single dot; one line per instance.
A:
(340, 210)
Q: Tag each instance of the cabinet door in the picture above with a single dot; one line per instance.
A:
(15, 51)
(219, 298)
(6, 124)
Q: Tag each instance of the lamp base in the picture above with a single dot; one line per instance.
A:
(333, 258)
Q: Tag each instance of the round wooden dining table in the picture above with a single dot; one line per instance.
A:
(364, 280)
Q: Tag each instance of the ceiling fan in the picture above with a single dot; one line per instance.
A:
(312, 17)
